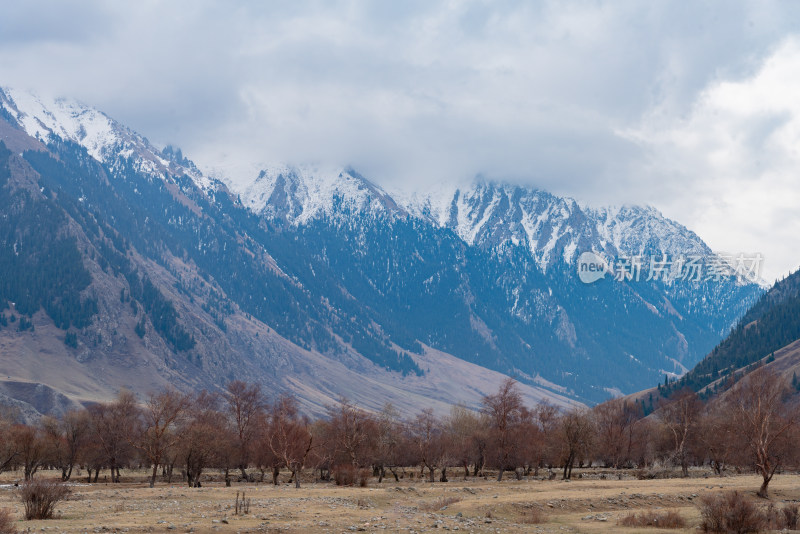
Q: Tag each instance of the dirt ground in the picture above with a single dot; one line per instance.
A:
(590, 504)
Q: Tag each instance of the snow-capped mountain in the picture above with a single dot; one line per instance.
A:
(485, 214)
(104, 139)
(320, 264)
(299, 194)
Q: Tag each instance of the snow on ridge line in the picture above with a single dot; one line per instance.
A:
(104, 139)
(550, 226)
(540, 220)
(301, 193)
(71, 120)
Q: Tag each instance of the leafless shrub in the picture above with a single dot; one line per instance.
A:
(437, 504)
(41, 496)
(345, 475)
(786, 518)
(791, 516)
(730, 512)
(363, 478)
(670, 519)
(348, 475)
(6, 522)
(533, 516)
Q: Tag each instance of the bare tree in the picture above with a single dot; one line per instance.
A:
(261, 454)
(159, 418)
(429, 444)
(111, 425)
(289, 439)
(31, 447)
(388, 440)
(505, 412)
(680, 416)
(92, 457)
(245, 402)
(8, 445)
(719, 439)
(349, 434)
(763, 417)
(546, 418)
(615, 422)
(577, 434)
(66, 439)
(202, 434)
(464, 426)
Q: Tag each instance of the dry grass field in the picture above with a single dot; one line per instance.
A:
(588, 504)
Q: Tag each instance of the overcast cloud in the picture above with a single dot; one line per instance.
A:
(689, 106)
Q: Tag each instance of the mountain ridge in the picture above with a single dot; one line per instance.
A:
(361, 282)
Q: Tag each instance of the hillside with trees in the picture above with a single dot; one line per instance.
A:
(770, 325)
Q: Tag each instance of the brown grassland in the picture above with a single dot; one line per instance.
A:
(593, 502)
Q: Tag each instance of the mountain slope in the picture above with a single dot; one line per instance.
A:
(170, 288)
(319, 269)
(771, 325)
(488, 274)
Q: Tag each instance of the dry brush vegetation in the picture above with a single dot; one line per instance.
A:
(237, 438)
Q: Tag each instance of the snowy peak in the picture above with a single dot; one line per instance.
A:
(486, 214)
(636, 230)
(69, 120)
(298, 194)
(492, 215)
(104, 139)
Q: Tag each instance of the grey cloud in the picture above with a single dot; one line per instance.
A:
(406, 91)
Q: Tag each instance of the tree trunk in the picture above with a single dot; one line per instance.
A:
(275, 472)
(500, 474)
(763, 492)
(296, 476)
(154, 475)
(431, 471)
(568, 466)
(443, 478)
(766, 477)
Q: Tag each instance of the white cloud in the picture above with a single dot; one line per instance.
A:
(730, 169)
(421, 90)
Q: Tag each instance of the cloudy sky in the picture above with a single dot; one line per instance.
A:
(693, 107)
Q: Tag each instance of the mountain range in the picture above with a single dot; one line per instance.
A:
(126, 265)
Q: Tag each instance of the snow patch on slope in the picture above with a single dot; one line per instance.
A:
(104, 139)
(302, 193)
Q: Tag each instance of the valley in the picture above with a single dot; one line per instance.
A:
(592, 503)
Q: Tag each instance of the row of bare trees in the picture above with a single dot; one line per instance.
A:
(241, 434)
